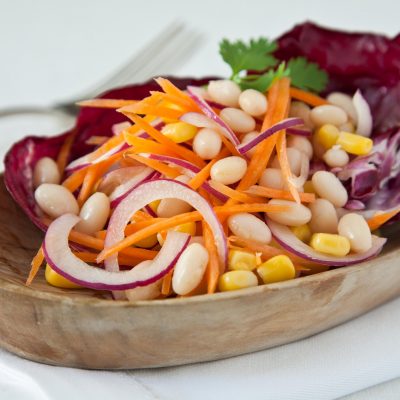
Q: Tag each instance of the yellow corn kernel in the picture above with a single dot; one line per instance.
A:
(179, 131)
(355, 144)
(277, 269)
(147, 243)
(154, 205)
(234, 280)
(302, 232)
(188, 227)
(242, 260)
(328, 243)
(309, 187)
(327, 135)
(53, 278)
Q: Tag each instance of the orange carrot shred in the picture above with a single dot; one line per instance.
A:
(167, 283)
(148, 146)
(234, 194)
(228, 144)
(36, 263)
(170, 172)
(307, 97)
(75, 180)
(214, 268)
(148, 109)
(65, 151)
(379, 219)
(279, 194)
(96, 140)
(106, 103)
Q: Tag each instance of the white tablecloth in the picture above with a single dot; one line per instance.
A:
(50, 51)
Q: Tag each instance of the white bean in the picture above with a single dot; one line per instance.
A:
(225, 92)
(238, 120)
(298, 109)
(329, 187)
(328, 114)
(207, 143)
(46, 171)
(56, 200)
(345, 102)
(294, 157)
(296, 215)
(318, 148)
(302, 144)
(247, 138)
(272, 178)
(94, 213)
(355, 228)
(324, 218)
(171, 207)
(148, 292)
(228, 170)
(253, 102)
(189, 269)
(248, 226)
(336, 157)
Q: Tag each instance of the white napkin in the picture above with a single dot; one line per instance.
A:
(345, 359)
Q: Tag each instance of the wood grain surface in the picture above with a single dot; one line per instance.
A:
(83, 328)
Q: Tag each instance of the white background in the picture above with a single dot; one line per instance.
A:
(52, 50)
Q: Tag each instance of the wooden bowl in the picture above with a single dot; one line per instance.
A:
(83, 328)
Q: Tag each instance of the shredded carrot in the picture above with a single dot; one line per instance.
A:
(379, 219)
(181, 219)
(65, 151)
(148, 109)
(148, 146)
(213, 268)
(106, 103)
(140, 216)
(88, 184)
(96, 140)
(170, 99)
(307, 97)
(135, 227)
(234, 194)
(159, 137)
(166, 284)
(279, 194)
(172, 90)
(75, 180)
(89, 257)
(36, 263)
(228, 144)
(170, 172)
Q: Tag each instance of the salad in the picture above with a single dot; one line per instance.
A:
(181, 187)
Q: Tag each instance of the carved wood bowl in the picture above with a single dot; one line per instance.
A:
(84, 328)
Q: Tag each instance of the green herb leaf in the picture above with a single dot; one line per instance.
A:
(253, 56)
(307, 75)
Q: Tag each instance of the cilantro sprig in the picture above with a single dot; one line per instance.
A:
(257, 56)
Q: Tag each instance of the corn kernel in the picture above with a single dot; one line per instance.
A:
(179, 131)
(327, 135)
(328, 243)
(234, 280)
(53, 278)
(188, 227)
(277, 269)
(309, 187)
(302, 232)
(242, 260)
(355, 144)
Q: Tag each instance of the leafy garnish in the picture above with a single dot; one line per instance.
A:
(306, 75)
(258, 56)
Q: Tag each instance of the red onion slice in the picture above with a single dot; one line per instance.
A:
(209, 112)
(286, 123)
(156, 190)
(299, 132)
(63, 261)
(364, 116)
(285, 237)
(121, 191)
(189, 169)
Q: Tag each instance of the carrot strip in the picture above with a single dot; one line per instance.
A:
(36, 263)
(214, 269)
(132, 228)
(181, 219)
(159, 137)
(106, 103)
(234, 194)
(172, 90)
(89, 257)
(88, 184)
(170, 99)
(140, 216)
(96, 140)
(148, 146)
(228, 144)
(75, 180)
(65, 151)
(148, 109)
(379, 219)
(170, 172)
(167, 283)
(307, 97)
(279, 194)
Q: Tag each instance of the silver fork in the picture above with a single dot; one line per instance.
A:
(168, 49)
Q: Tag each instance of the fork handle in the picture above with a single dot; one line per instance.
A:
(66, 108)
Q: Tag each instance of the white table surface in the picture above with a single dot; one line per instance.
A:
(51, 50)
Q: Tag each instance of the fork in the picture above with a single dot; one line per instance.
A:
(167, 50)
